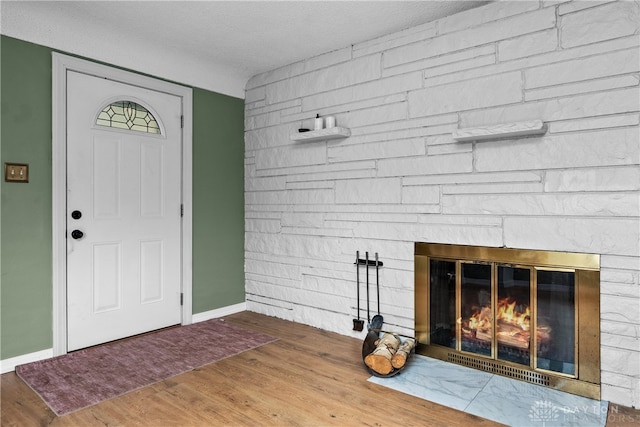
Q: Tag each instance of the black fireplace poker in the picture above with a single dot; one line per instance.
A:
(358, 323)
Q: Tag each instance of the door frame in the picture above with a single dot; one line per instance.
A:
(60, 65)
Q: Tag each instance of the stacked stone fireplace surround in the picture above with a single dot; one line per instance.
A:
(401, 177)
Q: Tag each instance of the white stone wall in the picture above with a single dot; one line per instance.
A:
(401, 178)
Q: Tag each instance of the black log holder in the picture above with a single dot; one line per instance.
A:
(375, 324)
(369, 345)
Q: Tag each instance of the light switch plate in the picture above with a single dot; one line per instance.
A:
(16, 172)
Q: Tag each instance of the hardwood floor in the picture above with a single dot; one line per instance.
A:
(308, 377)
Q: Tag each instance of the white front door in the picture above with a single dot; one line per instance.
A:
(123, 210)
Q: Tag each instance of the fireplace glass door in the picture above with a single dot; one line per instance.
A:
(476, 309)
(556, 321)
(443, 303)
(493, 308)
(513, 314)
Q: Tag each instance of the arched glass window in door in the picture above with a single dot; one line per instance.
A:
(128, 115)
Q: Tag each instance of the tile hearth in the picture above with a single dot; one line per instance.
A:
(497, 398)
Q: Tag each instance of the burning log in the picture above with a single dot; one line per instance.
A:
(380, 359)
(514, 341)
(512, 335)
(400, 358)
(483, 334)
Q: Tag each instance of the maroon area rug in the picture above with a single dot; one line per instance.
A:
(86, 377)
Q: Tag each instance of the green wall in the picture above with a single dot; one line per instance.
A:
(26, 256)
(25, 120)
(218, 200)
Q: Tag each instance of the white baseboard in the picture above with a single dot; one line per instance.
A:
(219, 312)
(9, 365)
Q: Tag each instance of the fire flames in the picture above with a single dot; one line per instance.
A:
(512, 321)
(507, 313)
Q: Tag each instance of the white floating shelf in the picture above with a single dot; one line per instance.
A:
(322, 134)
(507, 130)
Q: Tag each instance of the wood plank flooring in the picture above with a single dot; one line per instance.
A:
(308, 377)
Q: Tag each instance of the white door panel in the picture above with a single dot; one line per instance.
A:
(123, 275)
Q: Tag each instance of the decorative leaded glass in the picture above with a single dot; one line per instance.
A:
(128, 115)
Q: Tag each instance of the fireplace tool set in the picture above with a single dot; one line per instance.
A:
(383, 353)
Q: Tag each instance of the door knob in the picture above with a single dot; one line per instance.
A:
(76, 214)
(77, 234)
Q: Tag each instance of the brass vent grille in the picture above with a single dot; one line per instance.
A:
(499, 369)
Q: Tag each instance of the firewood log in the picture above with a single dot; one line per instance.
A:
(518, 341)
(400, 358)
(380, 359)
(484, 335)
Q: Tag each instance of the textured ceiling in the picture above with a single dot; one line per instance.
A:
(247, 37)
(257, 36)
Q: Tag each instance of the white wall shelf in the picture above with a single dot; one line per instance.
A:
(507, 130)
(322, 134)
